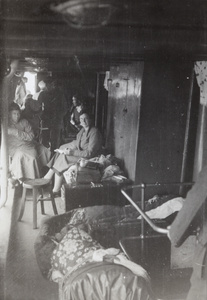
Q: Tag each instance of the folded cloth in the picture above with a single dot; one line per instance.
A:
(113, 254)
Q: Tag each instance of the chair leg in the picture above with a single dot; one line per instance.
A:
(53, 202)
(42, 202)
(23, 199)
(34, 208)
(54, 206)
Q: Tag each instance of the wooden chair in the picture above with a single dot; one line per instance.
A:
(35, 185)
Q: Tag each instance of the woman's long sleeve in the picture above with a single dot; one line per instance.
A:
(23, 131)
(93, 146)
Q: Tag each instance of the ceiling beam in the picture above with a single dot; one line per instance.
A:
(57, 40)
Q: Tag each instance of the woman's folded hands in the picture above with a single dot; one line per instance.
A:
(12, 131)
(65, 151)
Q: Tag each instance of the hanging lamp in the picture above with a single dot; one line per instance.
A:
(86, 13)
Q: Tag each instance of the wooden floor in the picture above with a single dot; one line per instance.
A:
(22, 279)
(5, 223)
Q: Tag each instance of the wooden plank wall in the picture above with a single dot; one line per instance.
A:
(163, 117)
(147, 115)
(123, 114)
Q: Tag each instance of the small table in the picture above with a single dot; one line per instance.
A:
(83, 195)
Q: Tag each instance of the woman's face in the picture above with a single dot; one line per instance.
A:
(84, 121)
(15, 116)
(75, 101)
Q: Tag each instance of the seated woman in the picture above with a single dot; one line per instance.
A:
(80, 251)
(27, 156)
(72, 118)
(88, 144)
(76, 111)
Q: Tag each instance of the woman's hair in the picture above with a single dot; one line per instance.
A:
(90, 116)
(14, 106)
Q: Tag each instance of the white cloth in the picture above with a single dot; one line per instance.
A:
(120, 259)
(166, 209)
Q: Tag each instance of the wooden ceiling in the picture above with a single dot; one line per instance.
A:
(141, 29)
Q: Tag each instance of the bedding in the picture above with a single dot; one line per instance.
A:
(77, 254)
(75, 249)
(106, 224)
(78, 248)
(166, 209)
(104, 281)
(66, 244)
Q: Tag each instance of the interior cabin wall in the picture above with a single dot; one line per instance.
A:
(123, 114)
(101, 105)
(168, 103)
(153, 130)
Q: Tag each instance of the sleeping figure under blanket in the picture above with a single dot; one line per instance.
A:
(72, 256)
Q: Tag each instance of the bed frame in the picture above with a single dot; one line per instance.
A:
(144, 216)
(153, 250)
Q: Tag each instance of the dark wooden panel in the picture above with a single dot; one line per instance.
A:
(164, 105)
(123, 114)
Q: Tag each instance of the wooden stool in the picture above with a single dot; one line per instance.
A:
(35, 185)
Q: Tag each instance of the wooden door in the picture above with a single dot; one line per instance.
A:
(124, 113)
(168, 123)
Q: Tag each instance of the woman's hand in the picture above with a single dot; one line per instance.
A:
(61, 151)
(65, 151)
(68, 151)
